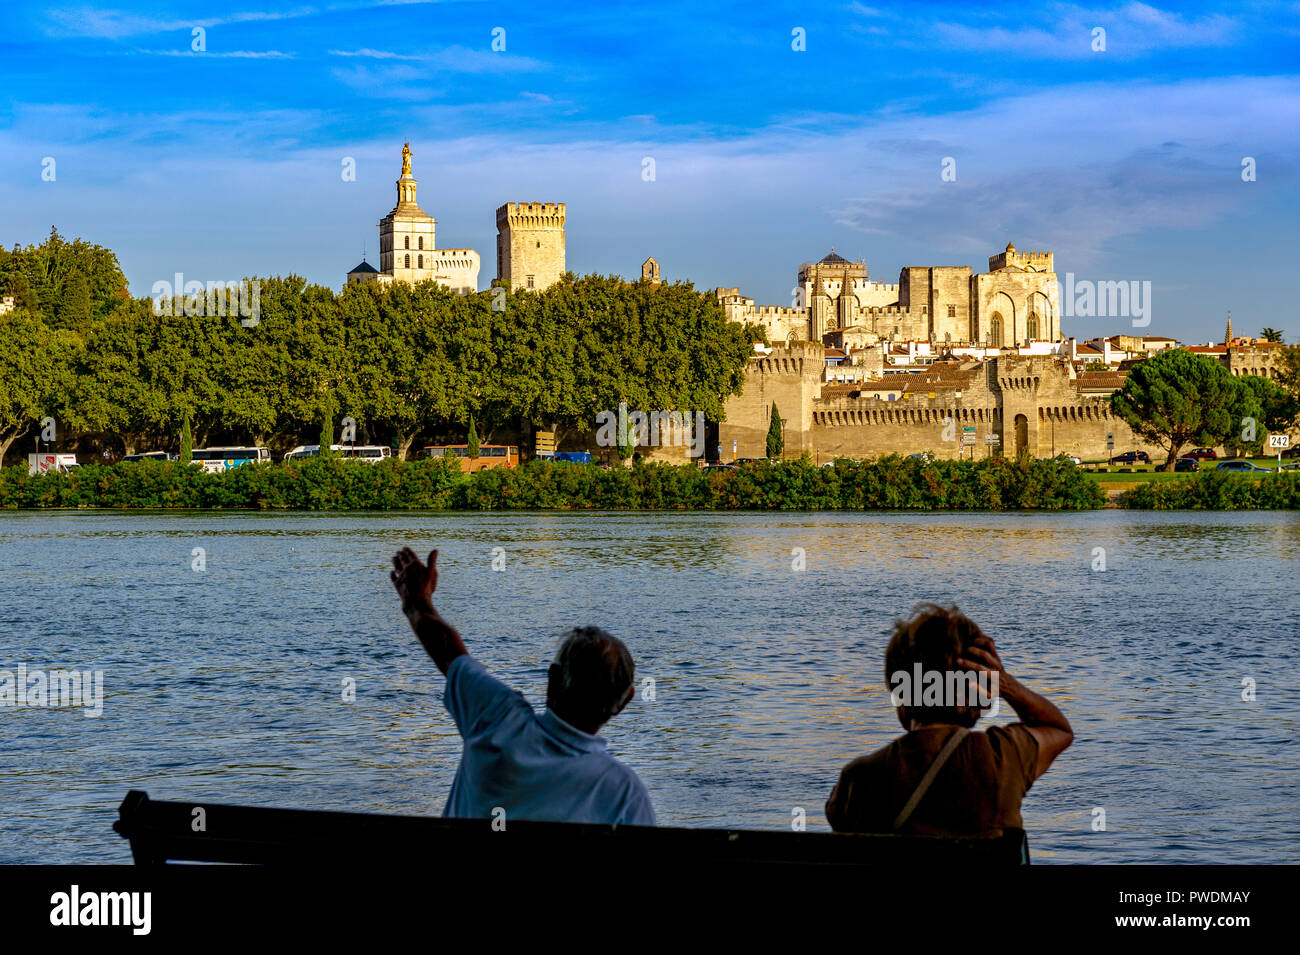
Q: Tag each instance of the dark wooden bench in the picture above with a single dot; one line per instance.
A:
(162, 832)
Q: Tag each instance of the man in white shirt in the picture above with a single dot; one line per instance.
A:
(549, 767)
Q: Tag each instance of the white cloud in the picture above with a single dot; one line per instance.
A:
(223, 54)
(1134, 29)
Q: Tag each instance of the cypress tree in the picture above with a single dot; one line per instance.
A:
(187, 440)
(471, 441)
(775, 440)
(327, 430)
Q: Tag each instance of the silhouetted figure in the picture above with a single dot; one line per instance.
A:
(941, 778)
(550, 767)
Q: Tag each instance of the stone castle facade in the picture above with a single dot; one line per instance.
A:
(1015, 301)
(1033, 403)
(846, 377)
(530, 245)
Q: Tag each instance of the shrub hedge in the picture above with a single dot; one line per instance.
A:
(339, 484)
(1218, 491)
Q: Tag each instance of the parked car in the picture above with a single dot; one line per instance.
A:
(1131, 457)
(1202, 454)
(925, 457)
(1239, 466)
(1187, 464)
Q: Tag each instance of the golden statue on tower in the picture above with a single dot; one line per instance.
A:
(406, 159)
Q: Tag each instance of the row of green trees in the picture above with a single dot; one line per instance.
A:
(403, 362)
(340, 484)
(1179, 400)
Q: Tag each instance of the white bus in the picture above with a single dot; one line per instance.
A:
(370, 453)
(223, 459)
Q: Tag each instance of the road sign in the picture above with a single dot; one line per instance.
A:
(1279, 441)
(1110, 441)
(992, 439)
(545, 444)
(968, 439)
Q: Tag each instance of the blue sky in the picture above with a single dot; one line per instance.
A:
(1126, 163)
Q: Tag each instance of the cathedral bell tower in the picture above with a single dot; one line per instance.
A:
(406, 235)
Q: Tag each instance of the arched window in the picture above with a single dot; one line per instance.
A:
(419, 261)
(421, 241)
(408, 261)
(1031, 326)
(407, 240)
(995, 330)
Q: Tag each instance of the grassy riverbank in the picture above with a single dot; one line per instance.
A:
(332, 484)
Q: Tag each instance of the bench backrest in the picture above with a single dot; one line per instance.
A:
(162, 832)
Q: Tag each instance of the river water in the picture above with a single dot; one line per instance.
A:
(227, 683)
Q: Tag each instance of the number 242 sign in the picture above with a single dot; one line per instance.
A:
(1279, 441)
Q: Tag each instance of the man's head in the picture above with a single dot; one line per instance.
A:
(591, 679)
(936, 637)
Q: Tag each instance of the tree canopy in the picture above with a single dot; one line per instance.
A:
(1177, 398)
(403, 361)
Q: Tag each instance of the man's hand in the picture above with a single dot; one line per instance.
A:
(982, 655)
(415, 583)
(1045, 722)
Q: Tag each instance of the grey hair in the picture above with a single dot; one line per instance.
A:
(596, 671)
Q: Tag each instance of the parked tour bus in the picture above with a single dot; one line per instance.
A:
(41, 463)
(489, 456)
(223, 459)
(370, 453)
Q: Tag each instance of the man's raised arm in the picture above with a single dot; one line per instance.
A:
(415, 584)
(1045, 722)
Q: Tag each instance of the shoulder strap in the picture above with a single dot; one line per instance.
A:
(923, 786)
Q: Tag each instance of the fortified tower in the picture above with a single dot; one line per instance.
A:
(1027, 261)
(530, 244)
